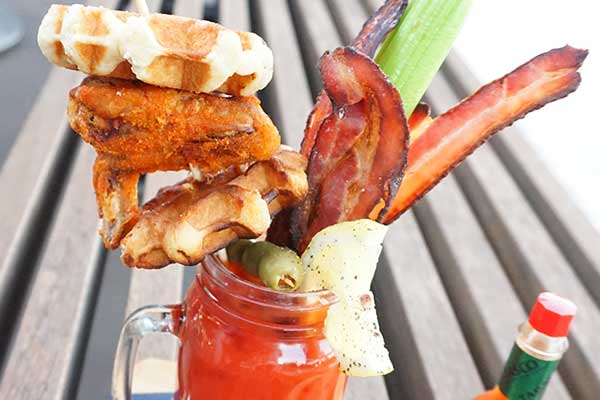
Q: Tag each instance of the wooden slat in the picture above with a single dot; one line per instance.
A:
(430, 354)
(531, 259)
(288, 95)
(153, 5)
(49, 338)
(489, 309)
(235, 14)
(317, 34)
(30, 171)
(562, 218)
(372, 388)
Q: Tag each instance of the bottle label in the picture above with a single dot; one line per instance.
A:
(525, 377)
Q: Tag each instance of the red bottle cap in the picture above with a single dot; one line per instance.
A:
(552, 314)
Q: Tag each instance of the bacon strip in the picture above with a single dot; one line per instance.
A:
(367, 41)
(320, 111)
(378, 26)
(359, 148)
(452, 136)
(419, 120)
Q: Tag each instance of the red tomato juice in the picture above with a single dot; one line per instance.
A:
(238, 344)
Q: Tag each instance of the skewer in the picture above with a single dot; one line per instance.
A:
(142, 7)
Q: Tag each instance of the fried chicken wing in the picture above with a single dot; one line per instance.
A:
(144, 128)
(117, 199)
(191, 219)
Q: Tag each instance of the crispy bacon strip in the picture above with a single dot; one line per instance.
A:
(452, 136)
(419, 120)
(359, 149)
(378, 26)
(320, 111)
(367, 41)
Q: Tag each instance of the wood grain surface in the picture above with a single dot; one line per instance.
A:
(288, 97)
(457, 275)
(430, 354)
(490, 310)
(531, 259)
(571, 230)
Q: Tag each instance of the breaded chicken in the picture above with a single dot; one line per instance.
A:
(143, 128)
(117, 200)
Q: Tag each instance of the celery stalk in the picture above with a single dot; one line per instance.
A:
(416, 48)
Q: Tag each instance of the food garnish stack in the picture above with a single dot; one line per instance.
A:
(167, 93)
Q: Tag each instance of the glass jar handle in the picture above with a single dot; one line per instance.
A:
(143, 321)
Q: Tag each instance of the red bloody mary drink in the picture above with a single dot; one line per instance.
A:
(243, 341)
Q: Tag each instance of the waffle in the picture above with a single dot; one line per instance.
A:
(191, 219)
(162, 50)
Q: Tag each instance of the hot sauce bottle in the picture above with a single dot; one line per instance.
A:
(540, 345)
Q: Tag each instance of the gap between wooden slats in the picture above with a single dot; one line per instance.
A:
(287, 98)
(530, 257)
(316, 34)
(484, 301)
(572, 231)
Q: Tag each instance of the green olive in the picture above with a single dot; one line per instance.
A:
(254, 253)
(236, 249)
(281, 269)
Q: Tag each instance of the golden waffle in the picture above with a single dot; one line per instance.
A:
(159, 49)
(189, 220)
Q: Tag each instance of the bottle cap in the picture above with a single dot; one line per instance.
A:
(552, 314)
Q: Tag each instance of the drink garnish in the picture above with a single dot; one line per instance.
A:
(448, 139)
(360, 150)
(413, 52)
(342, 258)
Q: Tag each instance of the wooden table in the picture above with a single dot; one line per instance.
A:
(457, 276)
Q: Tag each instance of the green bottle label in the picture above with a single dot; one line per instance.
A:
(525, 377)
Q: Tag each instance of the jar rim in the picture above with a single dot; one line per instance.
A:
(213, 264)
